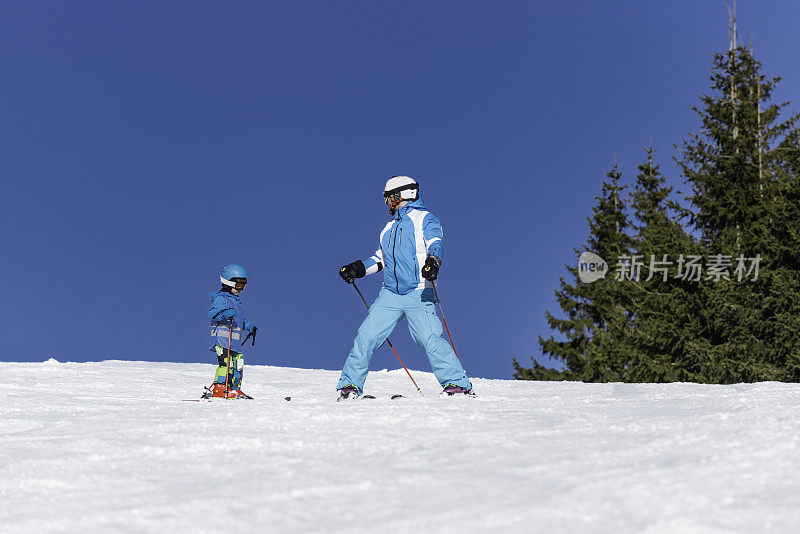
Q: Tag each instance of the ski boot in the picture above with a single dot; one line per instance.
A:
(217, 391)
(348, 393)
(452, 389)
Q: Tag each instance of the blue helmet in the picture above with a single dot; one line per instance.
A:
(230, 271)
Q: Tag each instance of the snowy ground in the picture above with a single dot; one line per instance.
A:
(110, 447)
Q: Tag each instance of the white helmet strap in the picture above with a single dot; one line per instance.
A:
(228, 283)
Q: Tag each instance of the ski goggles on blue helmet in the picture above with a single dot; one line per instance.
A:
(234, 283)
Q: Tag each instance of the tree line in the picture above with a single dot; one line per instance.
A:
(735, 316)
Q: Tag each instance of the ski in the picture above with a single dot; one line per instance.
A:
(209, 399)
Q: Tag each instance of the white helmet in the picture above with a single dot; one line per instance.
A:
(399, 189)
(404, 187)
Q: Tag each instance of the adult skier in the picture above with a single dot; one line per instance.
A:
(228, 325)
(410, 256)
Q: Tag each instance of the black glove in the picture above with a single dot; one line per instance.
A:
(431, 269)
(352, 271)
(252, 332)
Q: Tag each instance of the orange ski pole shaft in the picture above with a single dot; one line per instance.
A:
(390, 344)
(228, 371)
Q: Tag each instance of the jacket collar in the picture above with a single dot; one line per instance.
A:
(413, 205)
(224, 293)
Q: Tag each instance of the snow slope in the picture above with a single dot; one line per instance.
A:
(110, 447)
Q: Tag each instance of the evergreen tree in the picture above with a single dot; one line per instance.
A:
(736, 168)
(779, 281)
(593, 311)
(728, 164)
(665, 304)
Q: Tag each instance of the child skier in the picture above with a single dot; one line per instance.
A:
(410, 256)
(228, 325)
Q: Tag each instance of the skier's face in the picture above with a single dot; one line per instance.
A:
(394, 202)
(241, 283)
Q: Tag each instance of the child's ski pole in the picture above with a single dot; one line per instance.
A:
(390, 344)
(228, 371)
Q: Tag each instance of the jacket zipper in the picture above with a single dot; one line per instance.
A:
(397, 233)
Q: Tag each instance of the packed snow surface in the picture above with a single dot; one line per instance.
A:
(112, 447)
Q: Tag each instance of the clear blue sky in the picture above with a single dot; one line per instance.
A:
(145, 144)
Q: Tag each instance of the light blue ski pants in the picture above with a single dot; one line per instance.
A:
(419, 307)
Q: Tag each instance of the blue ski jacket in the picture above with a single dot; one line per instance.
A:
(405, 243)
(226, 310)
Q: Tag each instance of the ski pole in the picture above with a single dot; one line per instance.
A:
(228, 371)
(390, 344)
(439, 302)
